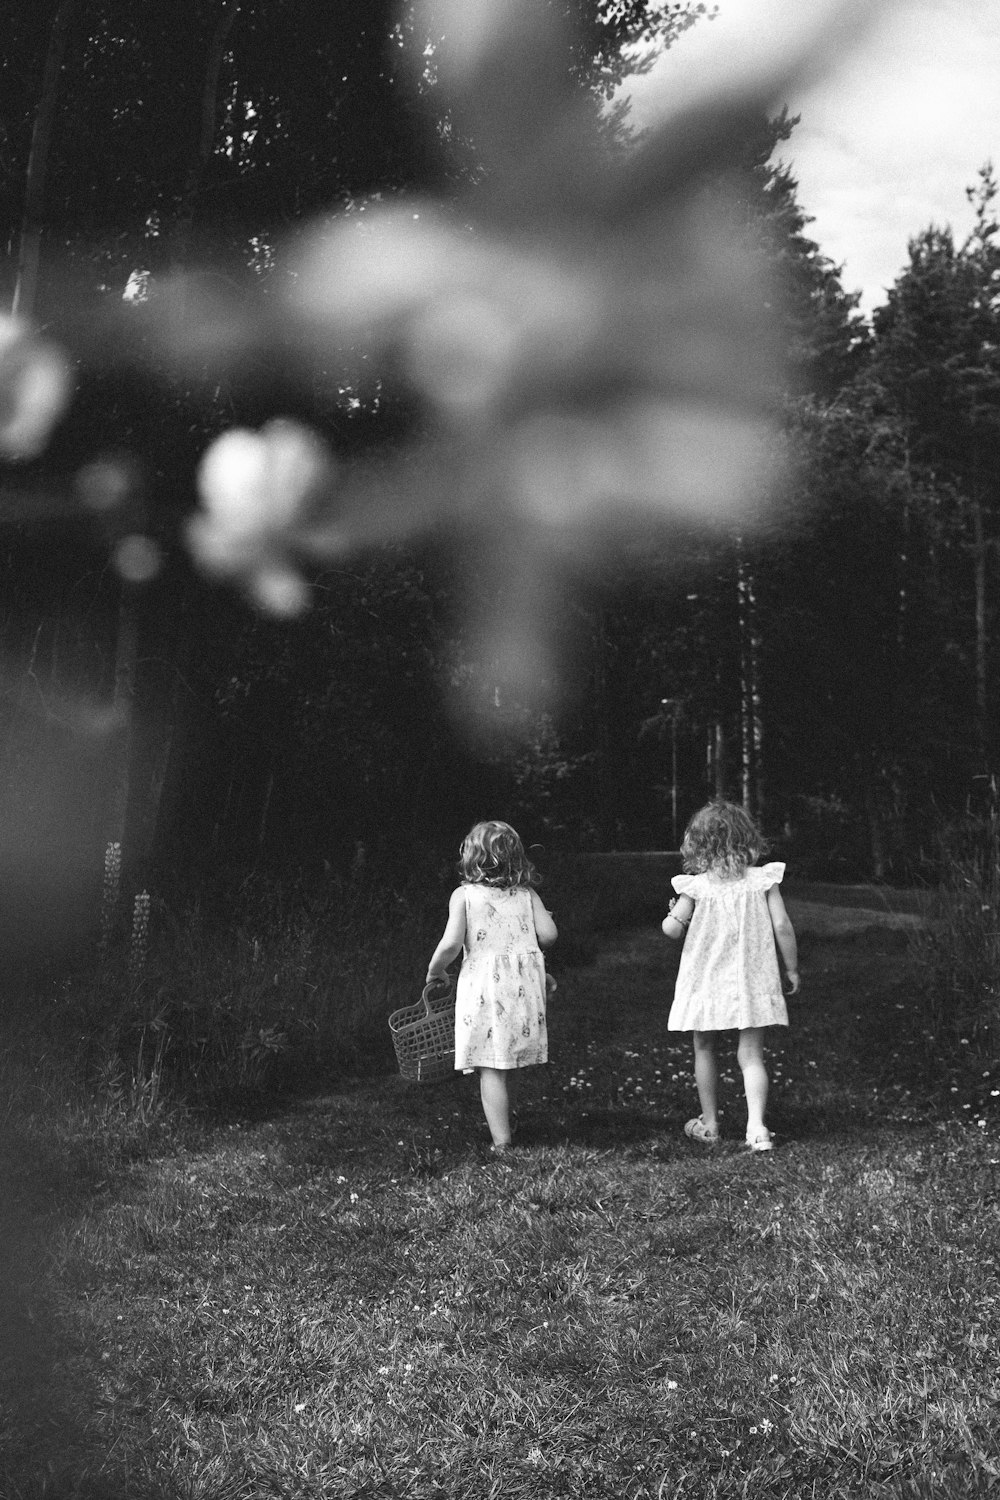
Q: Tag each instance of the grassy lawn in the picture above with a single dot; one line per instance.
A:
(349, 1298)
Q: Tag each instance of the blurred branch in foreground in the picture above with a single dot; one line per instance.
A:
(589, 336)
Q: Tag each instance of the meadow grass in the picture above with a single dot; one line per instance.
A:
(346, 1296)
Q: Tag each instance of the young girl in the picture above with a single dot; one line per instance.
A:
(728, 976)
(499, 921)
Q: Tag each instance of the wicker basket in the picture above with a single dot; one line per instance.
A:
(424, 1034)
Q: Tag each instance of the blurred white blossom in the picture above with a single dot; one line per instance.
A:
(35, 388)
(258, 491)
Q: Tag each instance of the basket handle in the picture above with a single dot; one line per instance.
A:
(437, 989)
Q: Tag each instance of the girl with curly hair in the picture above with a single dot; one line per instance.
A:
(497, 921)
(728, 977)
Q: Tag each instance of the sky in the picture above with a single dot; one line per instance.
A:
(891, 134)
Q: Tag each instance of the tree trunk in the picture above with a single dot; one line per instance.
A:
(123, 709)
(29, 254)
(184, 222)
(979, 551)
(751, 714)
(265, 811)
(605, 809)
(718, 777)
(902, 600)
(876, 827)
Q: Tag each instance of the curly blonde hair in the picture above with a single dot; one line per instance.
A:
(721, 837)
(492, 854)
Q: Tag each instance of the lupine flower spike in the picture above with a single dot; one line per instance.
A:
(112, 886)
(139, 944)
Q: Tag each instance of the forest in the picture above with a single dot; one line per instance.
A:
(513, 565)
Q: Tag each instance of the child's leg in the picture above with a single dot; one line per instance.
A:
(706, 1076)
(750, 1055)
(496, 1103)
(513, 1077)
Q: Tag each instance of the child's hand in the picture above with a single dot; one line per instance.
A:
(794, 981)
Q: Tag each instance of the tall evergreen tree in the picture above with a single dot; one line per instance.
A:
(937, 365)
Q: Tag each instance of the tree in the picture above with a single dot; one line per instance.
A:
(937, 362)
(731, 621)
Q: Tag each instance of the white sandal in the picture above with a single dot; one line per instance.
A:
(697, 1130)
(761, 1140)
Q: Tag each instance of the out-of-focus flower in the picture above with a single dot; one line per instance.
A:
(137, 559)
(35, 388)
(259, 493)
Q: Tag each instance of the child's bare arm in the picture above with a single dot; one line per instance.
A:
(545, 928)
(452, 939)
(675, 923)
(784, 936)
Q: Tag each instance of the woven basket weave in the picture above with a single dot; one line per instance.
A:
(424, 1034)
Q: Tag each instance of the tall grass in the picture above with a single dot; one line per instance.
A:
(957, 952)
(214, 1004)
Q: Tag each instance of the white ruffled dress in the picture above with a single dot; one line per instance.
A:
(728, 976)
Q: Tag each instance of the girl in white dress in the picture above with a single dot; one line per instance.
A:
(497, 921)
(728, 977)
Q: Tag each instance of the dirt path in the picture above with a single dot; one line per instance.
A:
(824, 913)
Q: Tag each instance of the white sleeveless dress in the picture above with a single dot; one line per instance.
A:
(728, 976)
(500, 996)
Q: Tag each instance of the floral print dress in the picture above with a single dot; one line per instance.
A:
(728, 976)
(500, 998)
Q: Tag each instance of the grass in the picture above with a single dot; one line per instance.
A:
(346, 1297)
